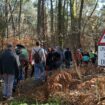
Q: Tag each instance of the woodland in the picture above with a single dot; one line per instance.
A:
(65, 23)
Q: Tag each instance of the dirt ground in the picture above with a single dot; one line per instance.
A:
(84, 86)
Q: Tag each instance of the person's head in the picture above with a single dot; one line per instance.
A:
(18, 51)
(37, 43)
(49, 49)
(10, 46)
(67, 49)
(52, 49)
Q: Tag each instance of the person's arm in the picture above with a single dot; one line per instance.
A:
(43, 56)
(16, 68)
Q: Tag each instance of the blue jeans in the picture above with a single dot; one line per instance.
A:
(8, 84)
(21, 73)
(21, 77)
(39, 71)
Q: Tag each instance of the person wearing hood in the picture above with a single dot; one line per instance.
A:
(9, 70)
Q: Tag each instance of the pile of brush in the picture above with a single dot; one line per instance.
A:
(66, 86)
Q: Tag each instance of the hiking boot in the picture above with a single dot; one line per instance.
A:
(4, 98)
(10, 98)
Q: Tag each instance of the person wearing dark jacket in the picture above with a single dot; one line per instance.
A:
(56, 60)
(49, 59)
(68, 57)
(9, 70)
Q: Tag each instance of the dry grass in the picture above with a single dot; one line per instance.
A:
(69, 88)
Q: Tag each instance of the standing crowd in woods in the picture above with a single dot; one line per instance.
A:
(15, 62)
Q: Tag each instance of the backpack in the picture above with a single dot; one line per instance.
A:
(36, 56)
(85, 58)
(91, 55)
(24, 55)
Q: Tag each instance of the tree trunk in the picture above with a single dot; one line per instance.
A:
(80, 15)
(39, 19)
(75, 32)
(19, 21)
(67, 16)
(52, 17)
(12, 19)
(59, 31)
(43, 20)
(6, 17)
(63, 19)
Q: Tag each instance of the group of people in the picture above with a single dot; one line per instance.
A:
(14, 63)
(84, 58)
(50, 59)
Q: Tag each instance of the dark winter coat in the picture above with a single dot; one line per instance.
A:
(68, 55)
(8, 63)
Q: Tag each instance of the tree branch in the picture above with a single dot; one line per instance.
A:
(12, 10)
(89, 16)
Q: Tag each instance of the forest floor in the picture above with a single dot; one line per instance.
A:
(84, 86)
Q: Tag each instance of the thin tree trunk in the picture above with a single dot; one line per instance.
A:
(19, 21)
(39, 19)
(12, 19)
(6, 16)
(12, 10)
(67, 15)
(43, 20)
(52, 17)
(59, 16)
(60, 22)
(63, 19)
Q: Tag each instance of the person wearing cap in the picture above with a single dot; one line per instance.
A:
(9, 70)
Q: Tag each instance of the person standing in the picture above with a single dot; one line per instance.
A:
(68, 57)
(78, 57)
(85, 58)
(9, 70)
(39, 58)
(92, 57)
(49, 59)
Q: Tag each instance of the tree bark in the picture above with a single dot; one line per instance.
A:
(75, 25)
(12, 19)
(63, 19)
(19, 20)
(52, 19)
(39, 19)
(80, 15)
(59, 31)
(6, 17)
(43, 20)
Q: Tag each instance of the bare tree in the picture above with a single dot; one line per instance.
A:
(19, 20)
(6, 16)
(52, 19)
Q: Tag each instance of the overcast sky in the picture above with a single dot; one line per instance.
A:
(100, 4)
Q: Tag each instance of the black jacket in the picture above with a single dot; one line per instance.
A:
(8, 63)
